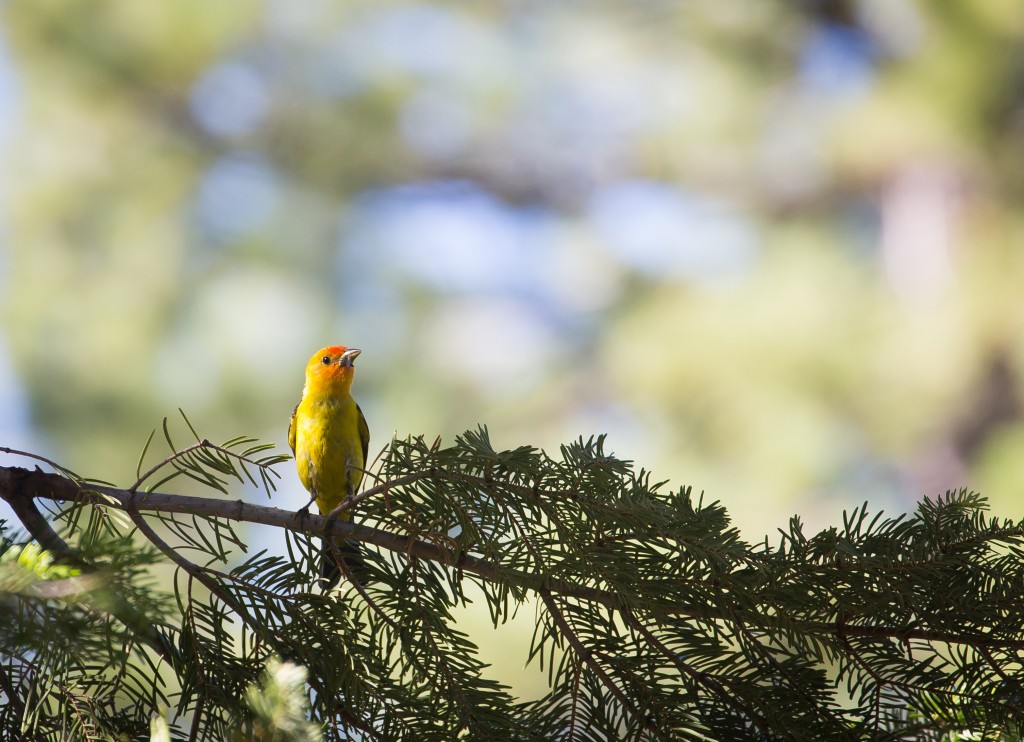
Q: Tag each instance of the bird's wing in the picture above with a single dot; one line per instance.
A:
(291, 430)
(364, 435)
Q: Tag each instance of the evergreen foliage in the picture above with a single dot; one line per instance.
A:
(655, 620)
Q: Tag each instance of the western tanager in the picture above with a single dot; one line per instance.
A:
(329, 437)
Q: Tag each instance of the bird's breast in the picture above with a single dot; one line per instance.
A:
(328, 450)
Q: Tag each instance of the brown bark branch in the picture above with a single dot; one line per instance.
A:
(18, 485)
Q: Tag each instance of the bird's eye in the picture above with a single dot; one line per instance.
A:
(325, 360)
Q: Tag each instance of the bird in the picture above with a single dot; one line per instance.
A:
(329, 438)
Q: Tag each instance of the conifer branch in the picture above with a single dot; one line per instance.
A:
(18, 485)
(665, 622)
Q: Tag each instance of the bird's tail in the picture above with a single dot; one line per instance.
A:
(355, 561)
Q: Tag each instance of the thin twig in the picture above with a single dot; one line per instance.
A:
(37, 457)
(10, 690)
(466, 714)
(577, 674)
(715, 684)
(350, 502)
(766, 652)
(161, 464)
(588, 658)
(203, 444)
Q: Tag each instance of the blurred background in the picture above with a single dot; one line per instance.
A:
(775, 250)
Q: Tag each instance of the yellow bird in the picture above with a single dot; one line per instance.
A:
(329, 437)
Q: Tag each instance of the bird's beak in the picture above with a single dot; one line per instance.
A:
(346, 358)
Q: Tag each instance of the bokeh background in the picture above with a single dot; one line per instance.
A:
(775, 250)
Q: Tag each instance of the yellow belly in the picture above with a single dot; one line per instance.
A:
(328, 451)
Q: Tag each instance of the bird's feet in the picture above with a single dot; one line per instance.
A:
(329, 525)
(304, 510)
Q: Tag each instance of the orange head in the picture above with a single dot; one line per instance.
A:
(331, 369)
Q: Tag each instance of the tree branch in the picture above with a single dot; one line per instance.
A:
(18, 485)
